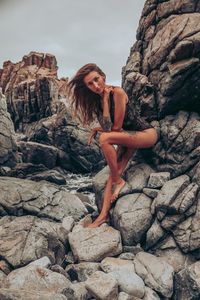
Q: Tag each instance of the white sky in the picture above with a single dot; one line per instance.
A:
(75, 31)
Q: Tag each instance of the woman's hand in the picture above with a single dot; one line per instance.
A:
(93, 134)
(106, 92)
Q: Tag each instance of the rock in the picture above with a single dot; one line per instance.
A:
(15, 294)
(137, 176)
(32, 277)
(82, 271)
(168, 193)
(43, 262)
(98, 280)
(156, 274)
(127, 255)
(38, 154)
(132, 216)
(124, 272)
(187, 283)
(111, 264)
(60, 270)
(68, 223)
(170, 253)
(177, 150)
(155, 234)
(50, 175)
(27, 238)
(93, 244)
(5, 267)
(2, 277)
(150, 294)
(152, 193)
(156, 180)
(32, 88)
(8, 147)
(77, 291)
(186, 234)
(19, 196)
(125, 296)
(22, 170)
(63, 133)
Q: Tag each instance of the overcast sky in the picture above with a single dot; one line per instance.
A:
(75, 31)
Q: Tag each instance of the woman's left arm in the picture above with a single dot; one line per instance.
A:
(120, 100)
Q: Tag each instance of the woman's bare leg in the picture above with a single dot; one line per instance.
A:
(140, 139)
(122, 163)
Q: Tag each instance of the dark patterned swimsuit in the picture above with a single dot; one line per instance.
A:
(132, 121)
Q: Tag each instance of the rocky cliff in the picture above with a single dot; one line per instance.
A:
(32, 88)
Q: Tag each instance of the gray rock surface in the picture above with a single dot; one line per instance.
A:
(82, 271)
(93, 244)
(15, 294)
(27, 238)
(187, 283)
(20, 196)
(132, 216)
(8, 147)
(124, 272)
(187, 233)
(102, 286)
(156, 180)
(157, 274)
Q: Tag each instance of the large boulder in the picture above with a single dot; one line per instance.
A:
(162, 71)
(187, 283)
(69, 142)
(94, 244)
(132, 216)
(23, 196)
(8, 147)
(27, 238)
(156, 273)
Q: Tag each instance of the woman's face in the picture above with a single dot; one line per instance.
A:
(95, 82)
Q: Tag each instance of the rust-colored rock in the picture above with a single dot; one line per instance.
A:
(32, 88)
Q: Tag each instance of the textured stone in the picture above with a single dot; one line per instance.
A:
(156, 180)
(32, 88)
(25, 239)
(82, 271)
(137, 176)
(15, 294)
(132, 216)
(33, 277)
(187, 233)
(150, 294)
(156, 274)
(8, 147)
(187, 283)
(93, 244)
(168, 193)
(38, 198)
(102, 286)
(124, 271)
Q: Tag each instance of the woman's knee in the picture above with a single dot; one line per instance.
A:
(103, 139)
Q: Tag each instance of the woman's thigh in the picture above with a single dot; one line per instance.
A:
(131, 139)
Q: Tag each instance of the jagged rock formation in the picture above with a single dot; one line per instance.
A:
(162, 77)
(32, 88)
(8, 147)
(163, 70)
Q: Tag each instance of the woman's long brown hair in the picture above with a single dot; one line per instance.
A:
(85, 103)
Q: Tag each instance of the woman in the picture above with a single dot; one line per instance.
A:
(93, 97)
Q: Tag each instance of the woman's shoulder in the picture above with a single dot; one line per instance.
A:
(119, 91)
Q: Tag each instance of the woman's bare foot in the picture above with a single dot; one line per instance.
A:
(117, 189)
(98, 222)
